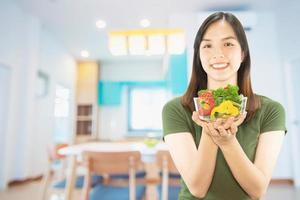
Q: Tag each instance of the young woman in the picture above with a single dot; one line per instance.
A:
(230, 159)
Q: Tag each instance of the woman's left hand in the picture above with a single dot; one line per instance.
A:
(226, 129)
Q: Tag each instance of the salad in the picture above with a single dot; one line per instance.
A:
(220, 103)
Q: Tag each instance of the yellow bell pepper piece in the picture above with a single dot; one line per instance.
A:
(226, 108)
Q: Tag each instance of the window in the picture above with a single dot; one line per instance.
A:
(62, 125)
(144, 109)
(62, 95)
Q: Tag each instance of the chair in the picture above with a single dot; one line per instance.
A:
(170, 187)
(55, 173)
(113, 165)
(56, 165)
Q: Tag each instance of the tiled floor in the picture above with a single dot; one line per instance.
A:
(31, 191)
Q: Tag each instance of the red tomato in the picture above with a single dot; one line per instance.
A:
(206, 103)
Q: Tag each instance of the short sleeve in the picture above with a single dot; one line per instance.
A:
(173, 118)
(273, 118)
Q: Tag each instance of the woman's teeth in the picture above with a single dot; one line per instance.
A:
(219, 66)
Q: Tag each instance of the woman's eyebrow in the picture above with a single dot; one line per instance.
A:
(229, 37)
(225, 38)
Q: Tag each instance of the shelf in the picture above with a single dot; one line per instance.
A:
(84, 118)
(84, 127)
(86, 99)
(84, 110)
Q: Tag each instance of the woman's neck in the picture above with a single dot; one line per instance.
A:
(215, 84)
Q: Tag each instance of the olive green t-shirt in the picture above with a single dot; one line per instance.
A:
(270, 117)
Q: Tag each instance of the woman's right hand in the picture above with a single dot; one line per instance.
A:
(207, 127)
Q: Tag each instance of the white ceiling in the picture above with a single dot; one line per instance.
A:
(73, 21)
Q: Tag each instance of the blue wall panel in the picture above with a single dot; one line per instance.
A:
(177, 74)
(109, 93)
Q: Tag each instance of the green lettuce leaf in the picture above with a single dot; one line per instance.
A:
(228, 93)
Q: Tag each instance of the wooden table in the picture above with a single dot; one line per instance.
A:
(74, 152)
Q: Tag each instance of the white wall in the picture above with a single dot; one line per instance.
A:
(267, 76)
(273, 43)
(18, 50)
(266, 58)
(287, 23)
(132, 70)
(5, 78)
(61, 68)
(286, 19)
(113, 120)
(22, 49)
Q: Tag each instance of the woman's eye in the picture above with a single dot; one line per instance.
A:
(228, 44)
(206, 46)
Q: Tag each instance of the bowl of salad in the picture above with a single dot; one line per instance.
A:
(220, 103)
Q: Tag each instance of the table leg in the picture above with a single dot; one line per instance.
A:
(71, 178)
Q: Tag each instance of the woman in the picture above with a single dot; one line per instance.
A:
(230, 159)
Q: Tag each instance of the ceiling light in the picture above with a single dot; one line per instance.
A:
(84, 53)
(156, 44)
(118, 45)
(176, 43)
(137, 44)
(147, 42)
(145, 23)
(101, 24)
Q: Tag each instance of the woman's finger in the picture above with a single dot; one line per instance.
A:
(205, 128)
(240, 119)
(218, 123)
(222, 131)
(233, 129)
(195, 118)
(212, 130)
(228, 123)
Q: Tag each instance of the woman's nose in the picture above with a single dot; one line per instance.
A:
(218, 56)
(218, 53)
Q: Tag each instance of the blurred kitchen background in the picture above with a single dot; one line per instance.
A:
(74, 71)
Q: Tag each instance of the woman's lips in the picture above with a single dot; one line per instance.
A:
(219, 66)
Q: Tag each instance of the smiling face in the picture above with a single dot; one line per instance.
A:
(220, 54)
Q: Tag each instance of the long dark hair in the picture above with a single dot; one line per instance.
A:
(199, 77)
